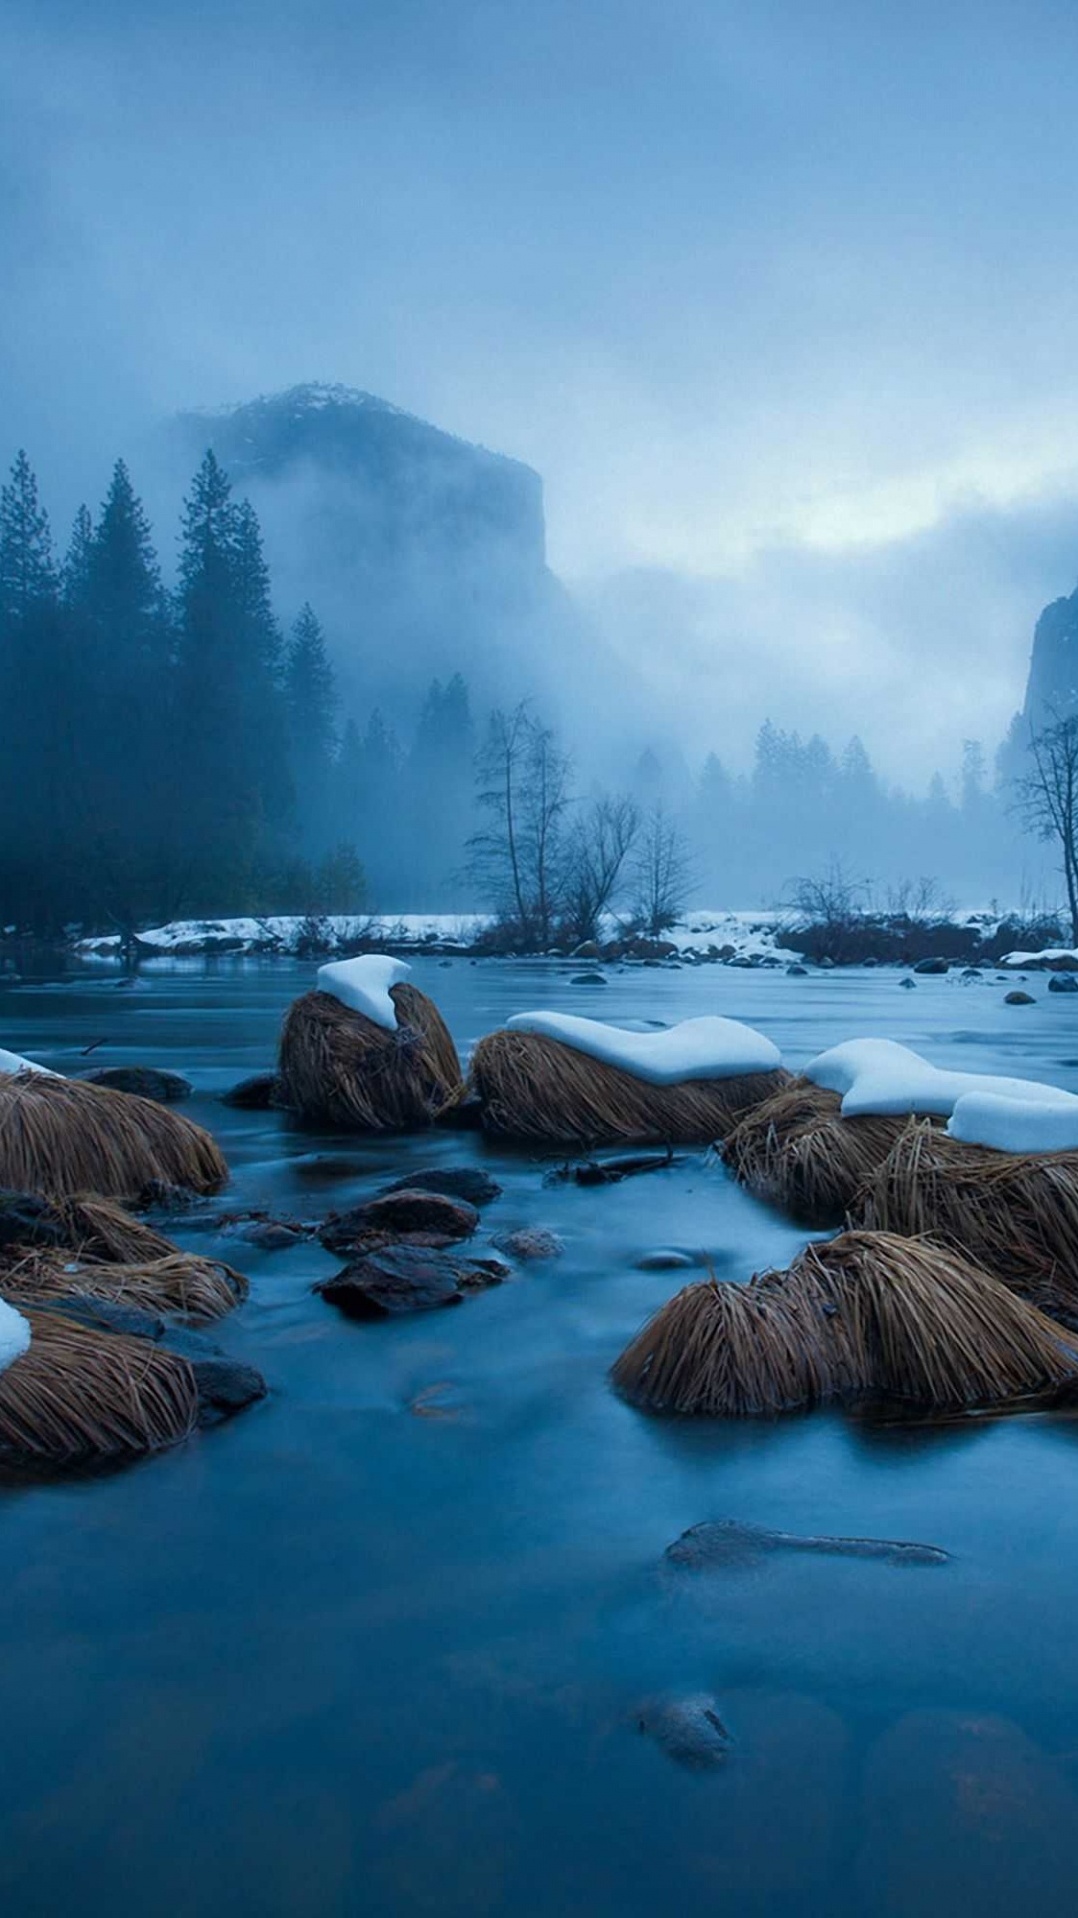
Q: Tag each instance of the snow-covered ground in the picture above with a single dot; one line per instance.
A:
(704, 1048)
(1049, 959)
(743, 937)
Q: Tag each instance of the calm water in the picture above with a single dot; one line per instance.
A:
(344, 1657)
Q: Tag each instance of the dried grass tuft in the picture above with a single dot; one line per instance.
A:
(101, 1229)
(534, 1087)
(62, 1137)
(864, 1314)
(194, 1288)
(797, 1152)
(340, 1068)
(1015, 1215)
(77, 1396)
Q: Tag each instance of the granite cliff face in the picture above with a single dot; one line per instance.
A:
(1052, 687)
(422, 554)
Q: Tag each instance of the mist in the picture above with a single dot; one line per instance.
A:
(757, 303)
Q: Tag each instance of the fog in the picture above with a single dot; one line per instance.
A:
(772, 298)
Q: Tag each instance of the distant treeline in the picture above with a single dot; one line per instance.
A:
(174, 752)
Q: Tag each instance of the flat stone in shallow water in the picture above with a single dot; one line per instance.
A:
(530, 1242)
(665, 1259)
(689, 1730)
(398, 1279)
(727, 1542)
(405, 1211)
(467, 1182)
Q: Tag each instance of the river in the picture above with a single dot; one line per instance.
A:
(381, 1645)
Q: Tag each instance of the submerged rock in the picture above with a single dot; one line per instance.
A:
(530, 1242)
(1019, 999)
(719, 1543)
(440, 1219)
(665, 1259)
(147, 1082)
(225, 1385)
(797, 971)
(588, 979)
(908, 985)
(1063, 982)
(933, 966)
(454, 1181)
(689, 1730)
(256, 1094)
(398, 1279)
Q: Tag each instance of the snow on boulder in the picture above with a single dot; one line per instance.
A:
(1016, 1124)
(706, 1048)
(881, 1076)
(363, 984)
(12, 1062)
(14, 1335)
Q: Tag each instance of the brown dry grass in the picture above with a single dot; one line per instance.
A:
(533, 1087)
(197, 1289)
(867, 1313)
(796, 1151)
(1015, 1215)
(62, 1137)
(100, 1229)
(77, 1396)
(340, 1068)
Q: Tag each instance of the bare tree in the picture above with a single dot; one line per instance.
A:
(523, 787)
(1046, 799)
(662, 873)
(599, 844)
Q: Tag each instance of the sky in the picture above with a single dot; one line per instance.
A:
(777, 296)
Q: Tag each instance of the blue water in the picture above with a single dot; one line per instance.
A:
(351, 1654)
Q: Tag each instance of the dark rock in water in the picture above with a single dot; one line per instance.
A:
(158, 1196)
(908, 985)
(266, 1233)
(531, 1242)
(972, 972)
(588, 950)
(28, 1219)
(665, 1260)
(225, 1386)
(407, 1210)
(826, 965)
(727, 1542)
(935, 965)
(797, 971)
(148, 1082)
(454, 1181)
(407, 1278)
(107, 1315)
(1019, 999)
(256, 1094)
(466, 1115)
(689, 1730)
(588, 979)
(1061, 962)
(1063, 982)
(612, 1171)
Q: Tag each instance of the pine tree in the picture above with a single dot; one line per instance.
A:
(311, 702)
(27, 572)
(75, 572)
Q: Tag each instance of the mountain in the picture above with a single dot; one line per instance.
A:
(423, 555)
(1052, 686)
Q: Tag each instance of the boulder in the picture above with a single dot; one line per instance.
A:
(797, 971)
(147, 1082)
(1018, 999)
(407, 1210)
(934, 966)
(256, 1094)
(1063, 982)
(588, 979)
(908, 985)
(399, 1279)
(455, 1181)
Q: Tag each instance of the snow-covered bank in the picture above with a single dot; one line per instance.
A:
(739, 938)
